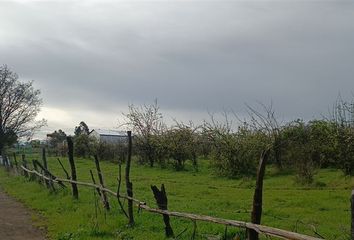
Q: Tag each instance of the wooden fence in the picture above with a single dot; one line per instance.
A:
(41, 172)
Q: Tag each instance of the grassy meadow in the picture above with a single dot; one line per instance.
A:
(323, 207)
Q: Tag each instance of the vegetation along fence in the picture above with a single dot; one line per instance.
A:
(41, 172)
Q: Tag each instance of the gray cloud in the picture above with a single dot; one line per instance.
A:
(192, 56)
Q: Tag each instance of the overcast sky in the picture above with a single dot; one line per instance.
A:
(91, 59)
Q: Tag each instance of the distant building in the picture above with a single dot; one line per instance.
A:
(109, 136)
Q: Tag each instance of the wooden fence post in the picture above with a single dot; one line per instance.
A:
(72, 166)
(129, 185)
(258, 195)
(7, 163)
(16, 164)
(24, 163)
(352, 203)
(35, 167)
(161, 200)
(100, 178)
(45, 166)
(44, 159)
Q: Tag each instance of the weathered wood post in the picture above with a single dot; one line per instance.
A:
(33, 176)
(258, 195)
(24, 163)
(47, 174)
(44, 159)
(352, 202)
(94, 182)
(161, 200)
(6, 161)
(45, 166)
(100, 178)
(15, 161)
(72, 166)
(35, 167)
(129, 185)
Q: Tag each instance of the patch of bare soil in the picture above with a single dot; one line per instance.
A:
(16, 222)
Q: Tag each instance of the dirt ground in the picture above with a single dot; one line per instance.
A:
(15, 221)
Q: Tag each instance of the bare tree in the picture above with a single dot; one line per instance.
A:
(267, 122)
(343, 113)
(343, 118)
(20, 103)
(146, 123)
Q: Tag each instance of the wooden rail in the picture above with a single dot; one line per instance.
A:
(269, 231)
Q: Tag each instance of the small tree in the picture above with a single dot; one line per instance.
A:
(82, 129)
(181, 143)
(85, 145)
(266, 121)
(56, 142)
(343, 118)
(301, 150)
(20, 104)
(234, 152)
(56, 137)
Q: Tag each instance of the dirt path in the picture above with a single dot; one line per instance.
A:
(15, 221)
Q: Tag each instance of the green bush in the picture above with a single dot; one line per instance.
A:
(181, 145)
(237, 154)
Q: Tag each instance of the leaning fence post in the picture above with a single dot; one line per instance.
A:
(258, 195)
(129, 185)
(352, 201)
(118, 189)
(100, 178)
(161, 200)
(66, 172)
(72, 166)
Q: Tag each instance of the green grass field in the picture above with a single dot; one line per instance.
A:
(323, 206)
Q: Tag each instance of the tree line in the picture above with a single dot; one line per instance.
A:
(233, 149)
(301, 146)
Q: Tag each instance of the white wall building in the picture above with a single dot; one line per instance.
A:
(109, 136)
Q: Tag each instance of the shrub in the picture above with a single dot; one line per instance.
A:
(181, 142)
(236, 154)
(84, 145)
(112, 151)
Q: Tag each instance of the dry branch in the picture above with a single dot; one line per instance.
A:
(62, 166)
(94, 182)
(118, 189)
(100, 177)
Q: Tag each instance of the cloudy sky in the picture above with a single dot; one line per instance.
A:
(92, 58)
